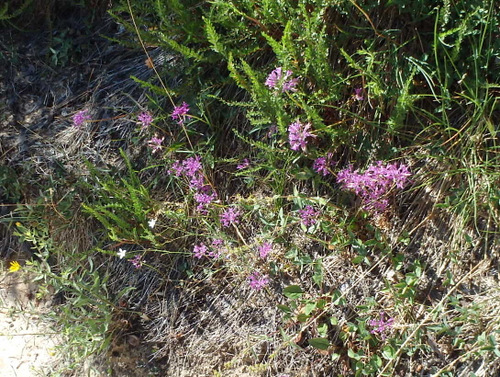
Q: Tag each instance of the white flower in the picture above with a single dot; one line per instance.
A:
(121, 253)
(152, 223)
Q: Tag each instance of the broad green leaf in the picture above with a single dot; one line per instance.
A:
(293, 292)
(319, 343)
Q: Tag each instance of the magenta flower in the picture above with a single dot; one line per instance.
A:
(298, 134)
(274, 78)
(155, 143)
(358, 94)
(145, 119)
(204, 198)
(230, 216)
(277, 79)
(192, 166)
(200, 250)
(197, 182)
(290, 85)
(244, 164)
(308, 215)
(265, 249)
(322, 164)
(374, 185)
(136, 261)
(382, 325)
(192, 169)
(257, 281)
(80, 117)
(177, 169)
(180, 112)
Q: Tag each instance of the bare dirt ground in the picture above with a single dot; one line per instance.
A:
(27, 343)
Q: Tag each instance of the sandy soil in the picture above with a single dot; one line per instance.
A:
(27, 343)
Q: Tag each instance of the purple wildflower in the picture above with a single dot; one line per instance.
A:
(204, 198)
(192, 169)
(192, 165)
(177, 169)
(358, 94)
(180, 112)
(136, 261)
(382, 325)
(374, 185)
(290, 85)
(276, 79)
(200, 250)
(155, 143)
(297, 135)
(230, 216)
(308, 215)
(265, 249)
(80, 117)
(244, 164)
(145, 119)
(321, 164)
(257, 281)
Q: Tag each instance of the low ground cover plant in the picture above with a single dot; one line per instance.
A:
(300, 156)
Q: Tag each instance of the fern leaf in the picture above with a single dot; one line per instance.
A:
(184, 50)
(213, 37)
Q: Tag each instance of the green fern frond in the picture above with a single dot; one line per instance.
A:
(182, 49)
(213, 37)
(93, 212)
(232, 103)
(255, 143)
(236, 75)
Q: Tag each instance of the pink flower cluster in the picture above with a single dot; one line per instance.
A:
(136, 261)
(215, 250)
(298, 134)
(80, 117)
(245, 163)
(308, 215)
(180, 113)
(257, 281)
(277, 79)
(192, 169)
(265, 249)
(374, 185)
(358, 94)
(155, 143)
(230, 216)
(322, 164)
(382, 325)
(145, 119)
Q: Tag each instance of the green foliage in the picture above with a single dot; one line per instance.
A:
(85, 315)
(122, 207)
(10, 188)
(7, 14)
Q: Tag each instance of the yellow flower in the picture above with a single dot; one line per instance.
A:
(14, 266)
